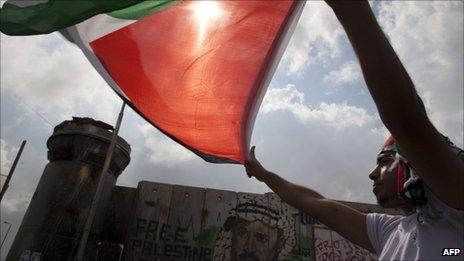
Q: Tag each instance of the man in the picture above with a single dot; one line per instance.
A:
(435, 208)
(259, 227)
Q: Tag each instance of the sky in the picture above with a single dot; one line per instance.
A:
(317, 125)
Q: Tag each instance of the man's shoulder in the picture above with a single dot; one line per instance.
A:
(380, 227)
(384, 221)
(386, 216)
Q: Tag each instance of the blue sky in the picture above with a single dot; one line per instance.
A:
(317, 125)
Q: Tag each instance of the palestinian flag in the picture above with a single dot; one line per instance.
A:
(196, 70)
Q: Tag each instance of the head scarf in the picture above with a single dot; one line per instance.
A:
(403, 171)
(408, 184)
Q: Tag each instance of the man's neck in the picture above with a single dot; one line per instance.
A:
(408, 209)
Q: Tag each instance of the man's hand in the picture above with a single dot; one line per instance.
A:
(254, 168)
(348, 9)
(341, 4)
(335, 3)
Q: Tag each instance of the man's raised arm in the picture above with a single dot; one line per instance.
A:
(348, 222)
(398, 104)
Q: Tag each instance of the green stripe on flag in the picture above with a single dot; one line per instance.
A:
(44, 18)
(143, 9)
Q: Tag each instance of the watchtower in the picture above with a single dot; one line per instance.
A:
(55, 218)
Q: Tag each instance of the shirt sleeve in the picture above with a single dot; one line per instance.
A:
(379, 227)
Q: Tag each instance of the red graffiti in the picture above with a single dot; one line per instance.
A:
(331, 246)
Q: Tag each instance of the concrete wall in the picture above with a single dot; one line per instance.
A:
(171, 222)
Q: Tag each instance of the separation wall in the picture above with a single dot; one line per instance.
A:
(172, 222)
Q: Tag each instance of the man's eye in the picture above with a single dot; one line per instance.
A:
(262, 238)
(383, 161)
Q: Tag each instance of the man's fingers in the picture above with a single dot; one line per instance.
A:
(248, 172)
(251, 164)
(247, 168)
(252, 152)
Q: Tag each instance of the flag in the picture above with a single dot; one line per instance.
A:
(30, 17)
(196, 70)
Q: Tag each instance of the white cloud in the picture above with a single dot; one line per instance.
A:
(15, 204)
(146, 129)
(164, 150)
(316, 39)
(53, 78)
(5, 161)
(321, 145)
(338, 115)
(12, 211)
(428, 37)
(348, 73)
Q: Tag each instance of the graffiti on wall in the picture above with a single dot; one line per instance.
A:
(184, 223)
(253, 229)
(329, 245)
(256, 229)
(152, 238)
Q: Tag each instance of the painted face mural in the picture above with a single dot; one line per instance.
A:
(257, 229)
(254, 241)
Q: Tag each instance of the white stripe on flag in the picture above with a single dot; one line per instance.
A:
(100, 25)
(91, 29)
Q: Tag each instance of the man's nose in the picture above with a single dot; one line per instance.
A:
(250, 245)
(374, 173)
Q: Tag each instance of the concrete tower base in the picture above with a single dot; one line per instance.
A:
(55, 218)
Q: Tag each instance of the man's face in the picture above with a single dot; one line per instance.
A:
(253, 241)
(385, 178)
